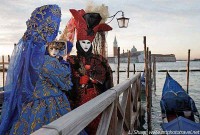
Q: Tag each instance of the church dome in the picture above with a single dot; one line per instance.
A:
(133, 50)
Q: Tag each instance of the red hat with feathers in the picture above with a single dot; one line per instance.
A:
(87, 24)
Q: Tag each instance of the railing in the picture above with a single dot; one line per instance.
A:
(120, 108)
(118, 116)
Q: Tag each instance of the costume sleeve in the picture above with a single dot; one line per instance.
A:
(109, 76)
(72, 94)
(58, 74)
(108, 83)
(36, 61)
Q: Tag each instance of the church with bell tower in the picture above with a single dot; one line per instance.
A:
(137, 56)
(124, 55)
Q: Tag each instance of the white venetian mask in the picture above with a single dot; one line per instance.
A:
(85, 44)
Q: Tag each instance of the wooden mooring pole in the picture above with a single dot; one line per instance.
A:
(150, 65)
(8, 59)
(145, 63)
(118, 56)
(148, 92)
(134, 68)
(188, 70)
(146, 50)
(150, 83)
(154, 72)
(128, 68)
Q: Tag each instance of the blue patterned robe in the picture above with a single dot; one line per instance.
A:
(33, 93)
(49, 101)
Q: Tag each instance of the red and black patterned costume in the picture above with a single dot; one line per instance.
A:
(91, 73)
(100, 75)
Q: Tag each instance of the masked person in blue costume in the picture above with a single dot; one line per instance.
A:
(35, 82)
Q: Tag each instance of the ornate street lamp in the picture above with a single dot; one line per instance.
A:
(122, 21)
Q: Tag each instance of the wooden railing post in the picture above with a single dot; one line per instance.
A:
(129, 110)
(122, 107)
(113, 123)
(105, 120)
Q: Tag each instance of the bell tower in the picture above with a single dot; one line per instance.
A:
(115, 46)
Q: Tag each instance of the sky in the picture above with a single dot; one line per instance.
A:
(170, 26)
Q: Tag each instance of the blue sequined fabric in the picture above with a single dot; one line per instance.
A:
(49, 101)
(26, 62)
(44, 21)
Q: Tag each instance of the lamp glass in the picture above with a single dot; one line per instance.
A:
(123, 22)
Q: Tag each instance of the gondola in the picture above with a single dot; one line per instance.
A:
(178, 108)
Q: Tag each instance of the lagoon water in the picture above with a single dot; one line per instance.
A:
(194, 83)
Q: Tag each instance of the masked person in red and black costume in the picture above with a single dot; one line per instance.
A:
(91, 73)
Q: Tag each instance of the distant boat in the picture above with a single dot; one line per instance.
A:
(178, 108)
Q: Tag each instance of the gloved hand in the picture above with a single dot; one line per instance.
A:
(84, 79)
(87, 67)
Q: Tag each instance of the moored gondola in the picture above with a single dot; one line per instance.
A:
(178, 108)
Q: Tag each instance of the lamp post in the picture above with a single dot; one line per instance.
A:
(122, 21)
